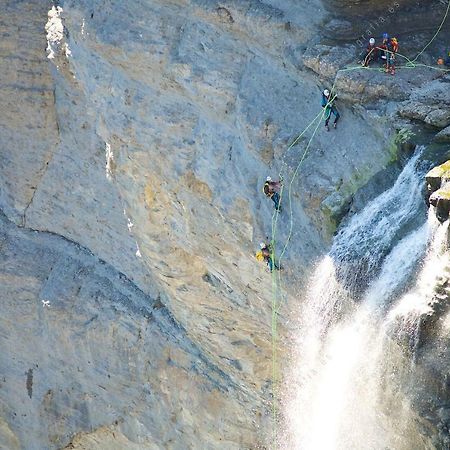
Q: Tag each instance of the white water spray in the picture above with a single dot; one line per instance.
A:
(335, 392)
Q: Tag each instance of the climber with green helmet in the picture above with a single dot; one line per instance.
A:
(330, 108)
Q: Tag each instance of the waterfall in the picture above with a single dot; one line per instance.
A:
(341, 391)
(405, 316)
(360, 247)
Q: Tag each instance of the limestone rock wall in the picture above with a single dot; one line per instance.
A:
(102, 358)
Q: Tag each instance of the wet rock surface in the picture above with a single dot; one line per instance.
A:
(443, 135)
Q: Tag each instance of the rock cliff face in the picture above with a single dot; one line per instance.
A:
(102, 358)
(133, 146)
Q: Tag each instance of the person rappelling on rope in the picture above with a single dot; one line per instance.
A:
(330, 108)
(271, 190)
(370, 54)
(266, 254)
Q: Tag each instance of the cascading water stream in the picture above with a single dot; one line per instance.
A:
(406, 313)
(335, 394)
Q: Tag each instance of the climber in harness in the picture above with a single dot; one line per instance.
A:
(389, 49)
(265, 254)
(370, 54)
(330, 108)
(271, 190)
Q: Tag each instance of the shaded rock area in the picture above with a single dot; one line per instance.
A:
(326, 61)
(430, 105)
(440, 199)
(443, 135)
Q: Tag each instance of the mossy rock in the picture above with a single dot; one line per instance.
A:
(438, 176)
(402, 142)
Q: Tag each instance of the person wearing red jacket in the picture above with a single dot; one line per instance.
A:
(370, 54)
(389, 48)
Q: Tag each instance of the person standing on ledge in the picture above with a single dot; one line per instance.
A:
(370, 54)
(330, 108)
(389, 48)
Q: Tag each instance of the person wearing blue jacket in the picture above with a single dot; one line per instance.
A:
(330, 108)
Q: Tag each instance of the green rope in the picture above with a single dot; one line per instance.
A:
(435, 34)
(276, 283)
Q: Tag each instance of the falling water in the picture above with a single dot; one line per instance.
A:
(403, 320)
(339, 394)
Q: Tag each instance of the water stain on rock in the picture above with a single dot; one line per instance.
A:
(29, 375)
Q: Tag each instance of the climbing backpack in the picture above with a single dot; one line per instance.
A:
(394, 43)
(266, 189)
(260, 256)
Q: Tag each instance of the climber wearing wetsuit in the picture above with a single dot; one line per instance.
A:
(389, 49)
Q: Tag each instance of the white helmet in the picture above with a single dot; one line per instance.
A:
(262, 245)
(372, 41)
(269, 179)
(326, 92)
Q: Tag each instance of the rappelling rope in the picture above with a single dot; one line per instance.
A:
(276, 275)
(276, 284)
(435, 34)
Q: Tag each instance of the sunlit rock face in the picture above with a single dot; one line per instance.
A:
(134, 142)
(438, 190)
(88, 357)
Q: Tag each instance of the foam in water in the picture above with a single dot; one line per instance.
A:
(406, 313)
(360, 247)
(336, 392)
